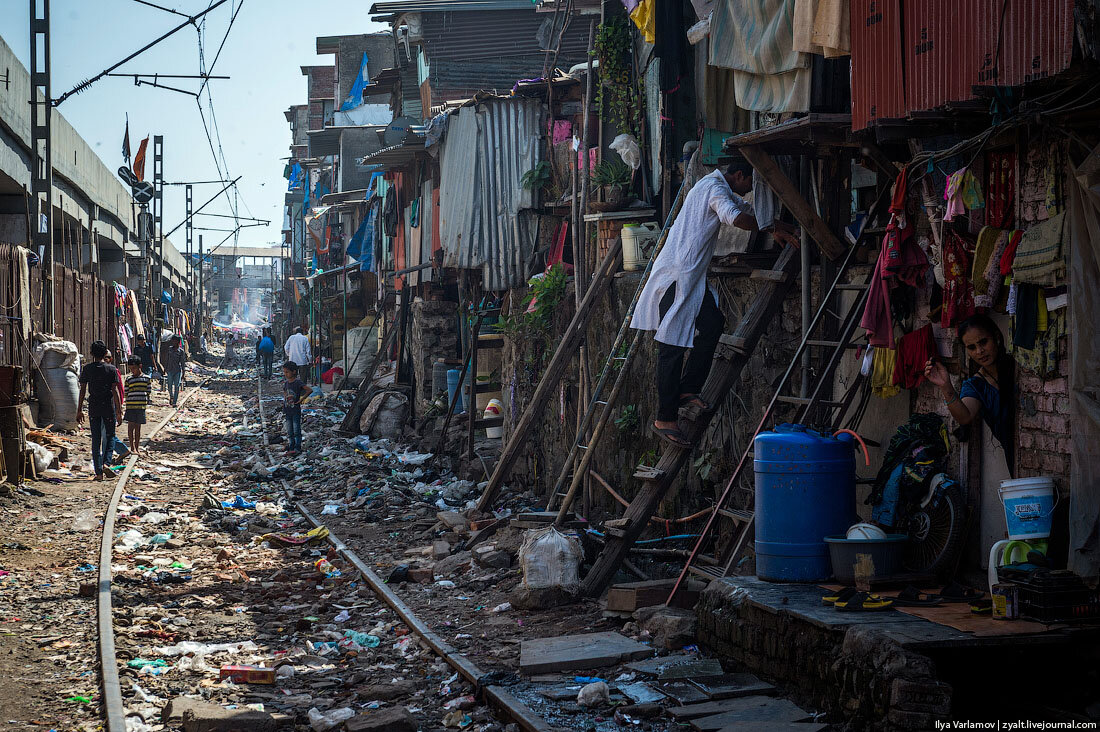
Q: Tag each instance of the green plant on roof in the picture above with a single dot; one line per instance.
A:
(612, 172)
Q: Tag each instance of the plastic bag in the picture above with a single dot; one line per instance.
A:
(628, 150)
(321, 721)
(86, 520)
(42, 457)
(550, 559)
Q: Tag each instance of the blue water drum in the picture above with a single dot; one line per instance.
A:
(453, 392)
(805, 491)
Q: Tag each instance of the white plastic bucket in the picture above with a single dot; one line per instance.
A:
(1028, 503)
(494, 409)
(634, 236)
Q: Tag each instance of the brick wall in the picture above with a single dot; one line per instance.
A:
(1043, 422)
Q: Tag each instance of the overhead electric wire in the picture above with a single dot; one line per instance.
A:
(88, 82)
(161, 7)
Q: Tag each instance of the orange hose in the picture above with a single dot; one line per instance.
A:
(652, 519)
(866, 455)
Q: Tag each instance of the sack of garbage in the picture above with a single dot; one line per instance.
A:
(551, 564)
(57, 383)
(385, 415)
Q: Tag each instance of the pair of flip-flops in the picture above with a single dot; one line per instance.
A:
(850, 599)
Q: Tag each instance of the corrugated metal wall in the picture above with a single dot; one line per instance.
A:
(948, 47)
(486, 219)
(878, 84)
(82, 303)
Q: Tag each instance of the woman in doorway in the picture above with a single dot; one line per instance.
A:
(990, 392)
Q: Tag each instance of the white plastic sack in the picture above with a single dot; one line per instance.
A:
(550, 559)
(42, 456)
(628, 150)
(58, 390)
(57, 354)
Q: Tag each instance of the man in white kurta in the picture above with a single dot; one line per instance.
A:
(676, 302)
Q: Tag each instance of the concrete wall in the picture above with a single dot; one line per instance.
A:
(380, 55)
(86, 189)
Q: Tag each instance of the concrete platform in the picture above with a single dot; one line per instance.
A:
(870, 670)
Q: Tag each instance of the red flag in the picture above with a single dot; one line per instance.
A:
(139, 160)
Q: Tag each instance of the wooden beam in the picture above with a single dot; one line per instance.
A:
(826, 241)
(567, 346)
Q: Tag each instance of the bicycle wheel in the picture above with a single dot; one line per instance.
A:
(936, 533)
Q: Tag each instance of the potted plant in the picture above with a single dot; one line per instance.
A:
(612, 177)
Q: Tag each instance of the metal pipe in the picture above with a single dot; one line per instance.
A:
(804, 253)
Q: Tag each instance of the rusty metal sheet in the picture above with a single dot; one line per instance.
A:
(878, 84)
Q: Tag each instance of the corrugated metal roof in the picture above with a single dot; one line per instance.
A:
(324, 142)
(499, 35)
(394, 154)
(485, 214)
(948, 48)
(435, 6)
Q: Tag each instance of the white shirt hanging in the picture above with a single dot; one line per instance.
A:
(684, 259)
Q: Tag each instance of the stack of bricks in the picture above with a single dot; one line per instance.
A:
(607, 232)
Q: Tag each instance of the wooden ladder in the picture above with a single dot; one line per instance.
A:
(814, 408)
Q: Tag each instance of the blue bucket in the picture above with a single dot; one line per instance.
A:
(1029, 504)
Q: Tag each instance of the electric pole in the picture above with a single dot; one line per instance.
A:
(42, 153)
(158, 216)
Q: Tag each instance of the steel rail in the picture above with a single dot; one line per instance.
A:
(498, 696)
(114, 710)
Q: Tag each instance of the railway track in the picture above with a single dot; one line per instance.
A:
(114, 657)
(114, 710)
(503, 701)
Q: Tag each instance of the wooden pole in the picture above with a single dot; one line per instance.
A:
(552, 376)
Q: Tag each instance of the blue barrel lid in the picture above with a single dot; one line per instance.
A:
(797, 440)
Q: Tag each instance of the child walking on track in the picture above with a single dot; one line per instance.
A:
(138, 386)
(293, 389)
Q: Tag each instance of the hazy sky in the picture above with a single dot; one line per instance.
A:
(268, 43)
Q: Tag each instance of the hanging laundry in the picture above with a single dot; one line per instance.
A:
(1000, 189)
(755, 38)
(822, 27)
(1039, 259)
(883, 361)
(961, 193)
(1008, 256)
(914, 350)
(958, 290)
(986, 271)
(901, 190)
(901, 262)
(1042, 359)
(643, 15)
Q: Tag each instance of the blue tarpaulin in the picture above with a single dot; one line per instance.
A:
(361, 246)
(355, 95)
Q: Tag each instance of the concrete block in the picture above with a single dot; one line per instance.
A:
(671, 627)
(213, 718)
